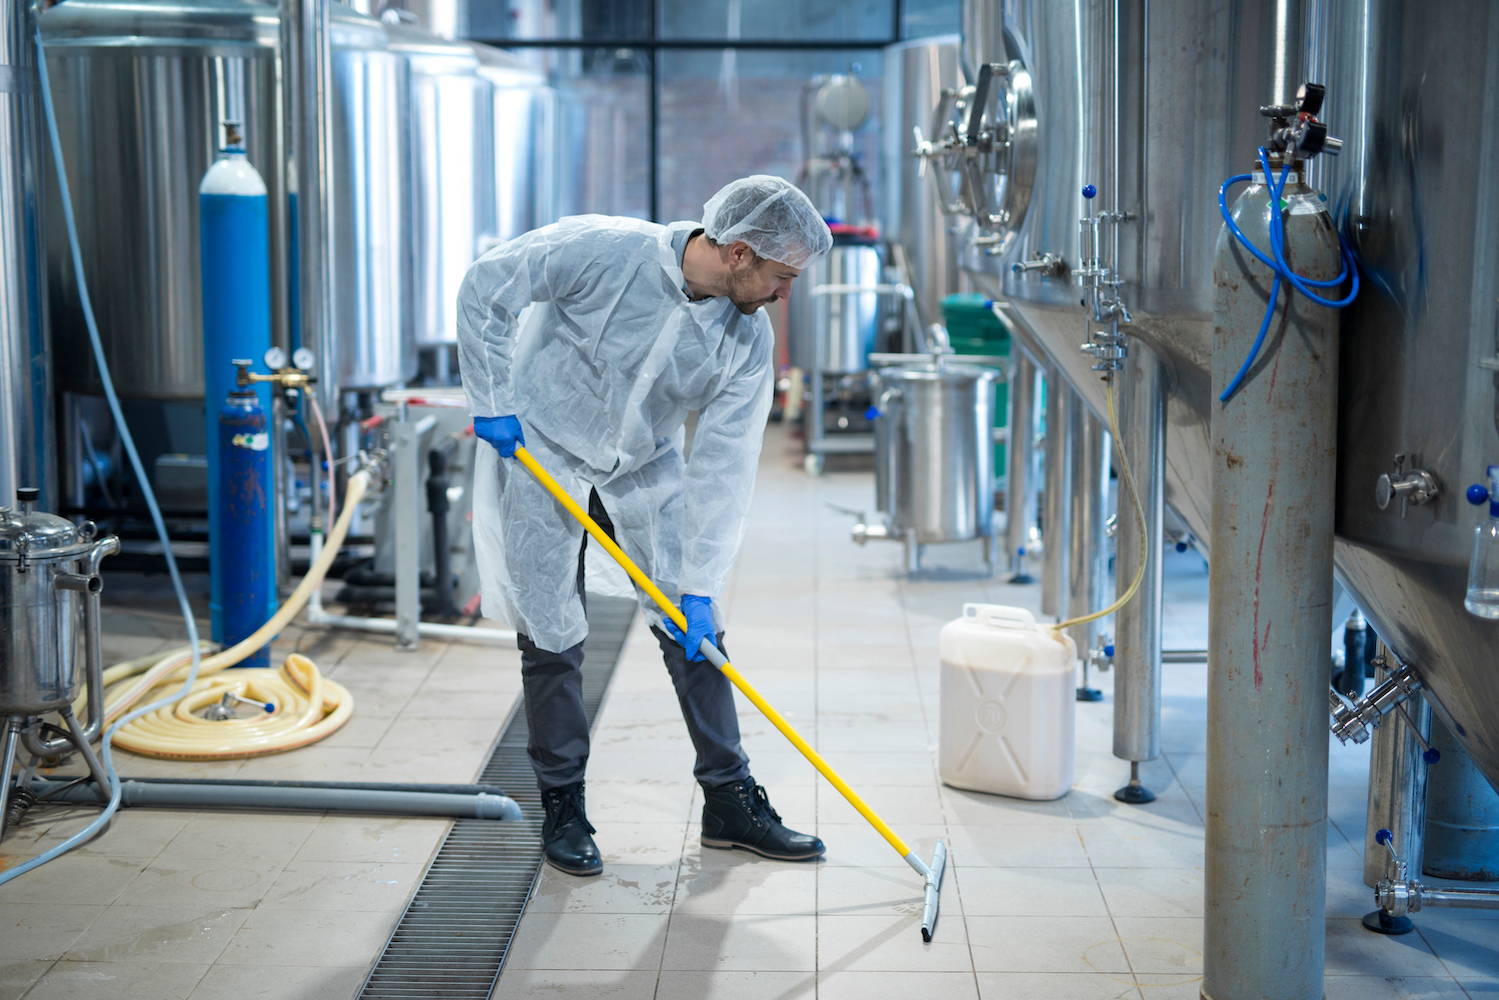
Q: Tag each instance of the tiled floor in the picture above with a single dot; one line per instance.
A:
(1075, 899)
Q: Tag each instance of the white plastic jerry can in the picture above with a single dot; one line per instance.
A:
(1007, 704)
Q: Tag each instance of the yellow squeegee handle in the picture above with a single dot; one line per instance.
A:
(737, 679)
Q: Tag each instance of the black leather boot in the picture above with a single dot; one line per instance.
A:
(566, 833)
(738, 814)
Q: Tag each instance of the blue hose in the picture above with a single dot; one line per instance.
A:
(1278, 264)
(88, 832)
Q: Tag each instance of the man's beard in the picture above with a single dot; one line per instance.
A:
(737, 295)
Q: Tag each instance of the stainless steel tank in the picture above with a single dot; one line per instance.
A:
(1411, 193)
(451, 150)
(915, 73)
(834, 327)
(141, 89)
(1417, 196)
(934, 451)
(1187, 117)
(516, 97)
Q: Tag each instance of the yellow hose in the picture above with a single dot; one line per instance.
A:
(308, 707)
(737, 679)
(1129, 483)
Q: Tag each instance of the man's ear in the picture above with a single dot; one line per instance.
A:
(740, 253)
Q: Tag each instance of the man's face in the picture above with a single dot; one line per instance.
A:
(755, 281)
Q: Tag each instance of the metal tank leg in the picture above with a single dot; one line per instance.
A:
(1137, 627)
(1056, 532)
(7, 764)
(1086, 554)
(80, 742)
(1020, 457)
(1397, 796)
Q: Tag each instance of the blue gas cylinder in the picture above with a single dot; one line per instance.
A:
(244, 575)
(234, 261)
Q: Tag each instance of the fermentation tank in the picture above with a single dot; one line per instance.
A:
(516, 104)
(1413, 194)
(915, 73)
(141, 90)
(451, 158)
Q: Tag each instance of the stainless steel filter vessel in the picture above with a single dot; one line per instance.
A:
(48, 577)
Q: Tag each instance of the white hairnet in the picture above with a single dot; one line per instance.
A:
(772, 216)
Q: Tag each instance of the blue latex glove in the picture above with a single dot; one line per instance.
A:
(700, 625)
(502, 432)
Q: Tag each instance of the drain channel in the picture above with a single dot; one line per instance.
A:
(452, 939)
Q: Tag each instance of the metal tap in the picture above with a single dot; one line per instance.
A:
(1416, 487)
(1046, 264)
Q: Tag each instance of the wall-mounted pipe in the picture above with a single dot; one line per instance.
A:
(306, 96)
(25, 363)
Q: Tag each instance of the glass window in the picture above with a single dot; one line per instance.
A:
(825, 21)
(725, 113)
(563, 20)
(925, 18)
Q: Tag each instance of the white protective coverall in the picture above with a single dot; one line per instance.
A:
(602, 373)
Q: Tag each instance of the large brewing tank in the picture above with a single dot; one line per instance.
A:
(1412, 195)
(915, 73)
(517, 97)
(450, 162)
(1188, 117)
(141, 90)
(1418, 197)
(835, 327)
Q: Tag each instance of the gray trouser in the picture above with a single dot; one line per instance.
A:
(558, 726)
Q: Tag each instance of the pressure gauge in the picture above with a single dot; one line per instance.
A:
(304, 359)
(275, 359)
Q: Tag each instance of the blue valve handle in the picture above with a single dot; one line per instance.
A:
(873, 413)
(1478, 494)
(1432, 756)
(1108, 650)
(1383, 837)
(1090, 191)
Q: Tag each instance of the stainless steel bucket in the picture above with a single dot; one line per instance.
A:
(934, 455)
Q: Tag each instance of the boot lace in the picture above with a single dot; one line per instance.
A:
(568, 807)
(762, 804)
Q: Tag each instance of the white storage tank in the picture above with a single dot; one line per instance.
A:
(1007, 704)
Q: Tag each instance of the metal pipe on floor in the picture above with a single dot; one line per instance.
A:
(1137, 626)
(315, 615)
(291, 797)
(1020, 461)
(1056, 533)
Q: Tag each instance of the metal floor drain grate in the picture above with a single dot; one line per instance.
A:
(452, 939)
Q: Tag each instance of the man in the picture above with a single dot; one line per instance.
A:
(632, 326)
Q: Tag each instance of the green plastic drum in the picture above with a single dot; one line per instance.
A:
(973, 328)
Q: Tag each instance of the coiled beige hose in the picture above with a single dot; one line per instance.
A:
(308, 707)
